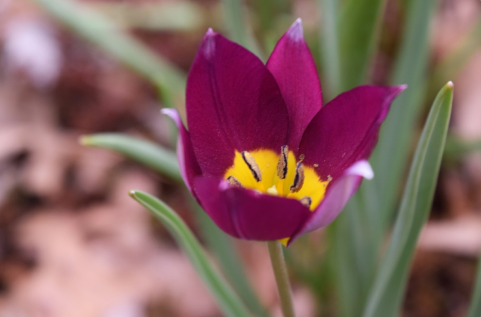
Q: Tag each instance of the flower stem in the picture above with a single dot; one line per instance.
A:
(282, 279)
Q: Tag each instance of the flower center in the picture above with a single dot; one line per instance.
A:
(277, 174)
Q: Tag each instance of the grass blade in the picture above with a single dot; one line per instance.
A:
(475, 308)
(347, 61)
(164, 16)
(143, 151)
(359, 31)
(456, 149)
(106, 35)
(454, 63)
(371, 209)
(165, 162)
(222, 247)
(330, 47)
(391, 155)
(238, 30)
(229, 303)
(387, 292)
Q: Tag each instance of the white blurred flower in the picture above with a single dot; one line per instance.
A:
(30, 47)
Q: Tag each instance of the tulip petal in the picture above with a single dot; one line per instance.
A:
(233, 103)
(189, 168)
(346, 129)
(338, 194)
(294, 69)
(247, 214)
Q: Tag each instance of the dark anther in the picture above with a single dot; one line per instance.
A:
(282, 165)
(306, 201)
(252, 165)
(234, 182)
(298, 179)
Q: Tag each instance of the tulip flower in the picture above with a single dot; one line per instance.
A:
(262, 155)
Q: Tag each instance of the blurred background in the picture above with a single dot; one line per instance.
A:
(73, 243)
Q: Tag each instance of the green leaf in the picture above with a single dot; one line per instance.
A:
(329, 32)
(456, 149)
(165, 162)
(390, 282)
(223, 248)
(164, 16)
(368, 215)
(143, 151)
(106, 35)
(228, 301)
(238, 30)
(454, 62)
(391, 156)
(475, 308)
(359, 31)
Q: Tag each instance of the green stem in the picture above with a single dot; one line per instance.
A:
(282, 279)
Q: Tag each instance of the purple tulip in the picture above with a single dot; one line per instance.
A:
(262, 156)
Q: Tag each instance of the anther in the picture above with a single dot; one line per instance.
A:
(282, 165)
(298, 179)
(252, 165)
(234, 182)
(306, 201)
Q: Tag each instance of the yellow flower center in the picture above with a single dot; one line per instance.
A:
(281, 175)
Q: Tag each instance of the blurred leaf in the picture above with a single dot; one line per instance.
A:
(143, 151)
(391, 155)
(239, 31)
(229, 303)
(368, 215)
(453, 64)
(475, 308)
(106, 35)
(388, 288)
(330, 47)
(223, 248)
(165, 162)
(456, 149)
(358, 30)
(165, 16)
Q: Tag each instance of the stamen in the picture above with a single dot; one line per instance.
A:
(252, 165)
(306, 201)
(298, 179)
(282, 165)
(234, 182)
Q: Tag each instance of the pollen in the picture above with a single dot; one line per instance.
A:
(279, 174)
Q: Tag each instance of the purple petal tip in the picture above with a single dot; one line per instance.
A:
(171, 113)
(295, 31)
(208, 47)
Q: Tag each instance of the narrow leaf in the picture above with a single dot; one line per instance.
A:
(143, 151)
(359, 32)
(390, 282)
(229, 260)
(239, 31)
(392, 153)
(164, 16)
(475, 308)
(165, 162)
(330, 47)
(369, 214)
(106, 35)
(456, 149)
(228, 301)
